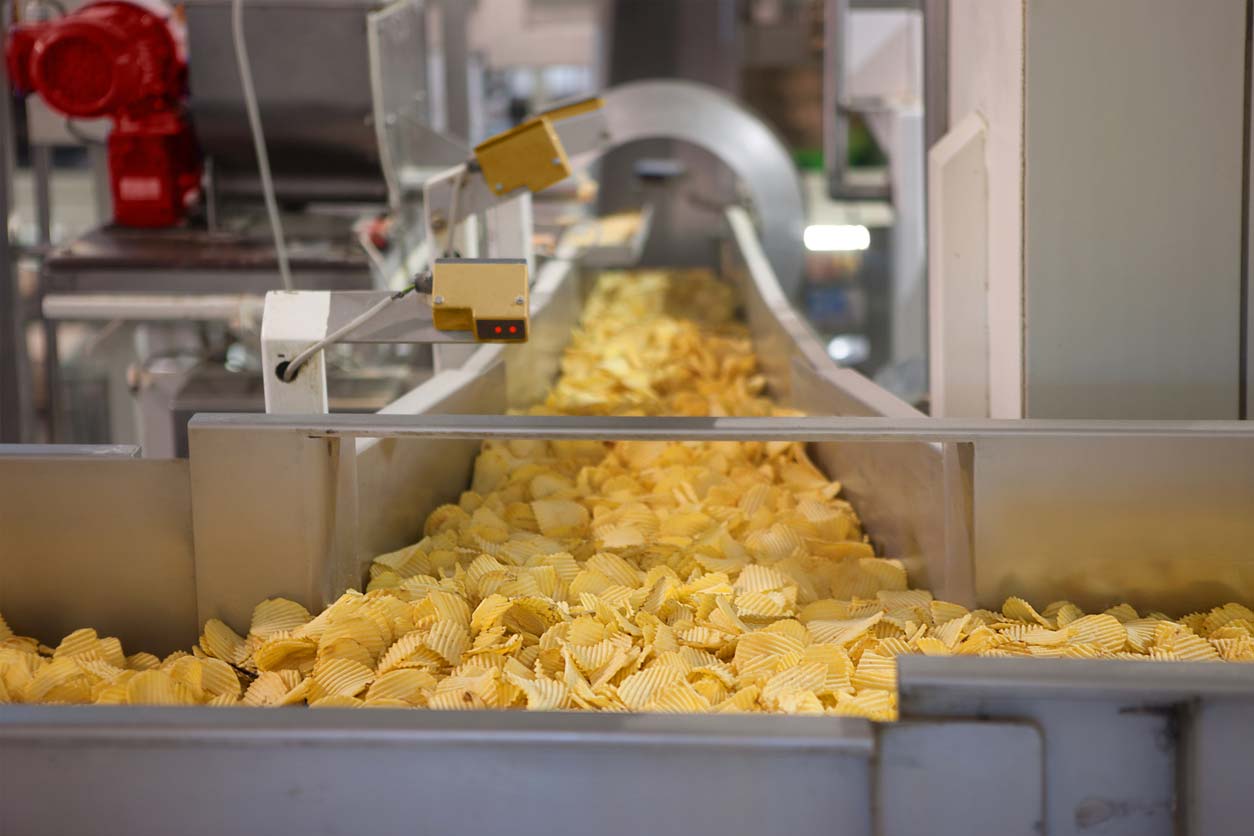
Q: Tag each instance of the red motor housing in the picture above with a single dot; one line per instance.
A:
(120, 60)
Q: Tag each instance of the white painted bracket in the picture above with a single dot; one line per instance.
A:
(958, 272)
(292, 321)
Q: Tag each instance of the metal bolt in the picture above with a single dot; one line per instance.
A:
(518, 300)
(500, 186)
(390, 119)
(557, 161)
(439, 300)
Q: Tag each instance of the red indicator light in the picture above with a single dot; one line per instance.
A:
(498, 329)
(513, 329)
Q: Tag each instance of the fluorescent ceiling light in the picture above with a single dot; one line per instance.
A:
(832, 238)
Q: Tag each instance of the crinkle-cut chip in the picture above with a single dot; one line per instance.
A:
(1220, 616)
(700, 636)
(895, 647)
(1240, 649)
(1020, 610)
(724, 617)
(827, 609)
(584, 630)
(277, 615)
(755, 498)
(542, 694)
(189, 673)
(620, 537)
(488, 525)
(872, 704)
(450, 606)
(978, 641)
(448, 517)
(533, 615)
(98, 668)
(560, 517)
(764, 646)
(932, 646)
(77, 643)
(886, 574)
(766, 605)
(1067, 613)
(616, 569)
(342, 676)
(565, 564)
(1038, 636)
(157, 688)
(1189, 647)
(1123, 613)
(808, 676)
(592, 657)
(448, 639)
(6, 632)
(685, 524)
(142, 661)
(758, 578)
(943, 611)
(358, 628)
(679, 698)
(277, 654)
(1103, 629)
(406, 684)
(489, 613)
(219, 679)
(1140, 633)
(221, 642)
(908, 599)
(1082, 650)
(639, 689)
(336, 701)
(776, 543)
(875, 670)
(344, 649)
(842, 631)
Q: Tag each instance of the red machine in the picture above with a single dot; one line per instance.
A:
(120, 60)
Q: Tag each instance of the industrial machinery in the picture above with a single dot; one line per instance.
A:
(126, 62)
(297, 504)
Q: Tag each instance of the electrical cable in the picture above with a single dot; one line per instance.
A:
(259, 141)
(288, 372)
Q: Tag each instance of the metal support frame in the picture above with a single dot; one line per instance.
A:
(10, 333)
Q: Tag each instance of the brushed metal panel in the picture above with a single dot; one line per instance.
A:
(269, 520)
(424, 772)
(1160, 522)
(103, 542)
(400, 481)
(1133, 171)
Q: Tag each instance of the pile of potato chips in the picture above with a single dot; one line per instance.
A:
(626, 576)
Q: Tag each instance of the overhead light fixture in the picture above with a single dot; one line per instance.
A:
(836, 238)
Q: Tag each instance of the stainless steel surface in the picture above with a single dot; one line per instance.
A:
(100, 540)
(1111, 329)
(41, 170)
(1130, 747)
(123, 451)
(311, 68)
(151, 307)
(927, 772)
(700, 116)
(196, 261)
(268, 522)
(1066, 519)
(429, 772)
(935, 70)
